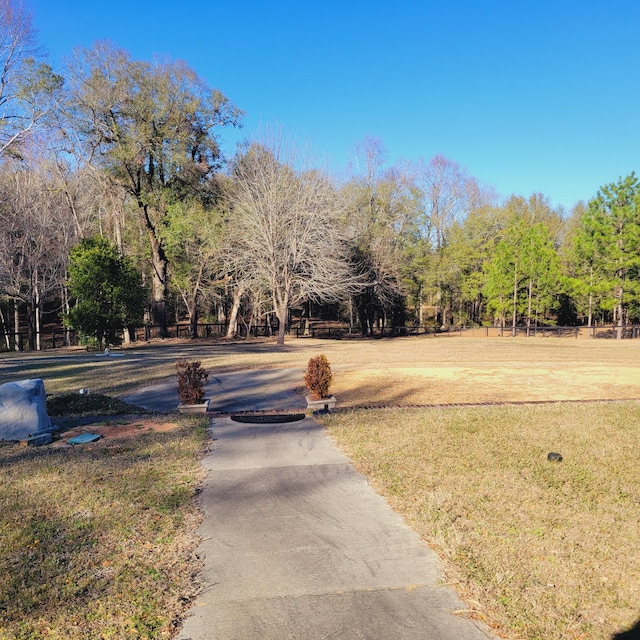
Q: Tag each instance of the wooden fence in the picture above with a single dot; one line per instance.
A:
(337, 331)
(57, 337)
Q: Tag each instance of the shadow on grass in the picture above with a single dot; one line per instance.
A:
(630, 634)
(398, 400)
(74, 405)
(139, 364)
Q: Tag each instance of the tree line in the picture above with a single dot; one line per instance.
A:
(116, 203)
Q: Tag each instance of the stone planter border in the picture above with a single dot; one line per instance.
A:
(324, 404)
(194, 408)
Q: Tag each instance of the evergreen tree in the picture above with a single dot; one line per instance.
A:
(523, 274)
(608, 242)
(108, 291)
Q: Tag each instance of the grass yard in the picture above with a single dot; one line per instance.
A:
(540, 550)
(100, 540)
(401, 371)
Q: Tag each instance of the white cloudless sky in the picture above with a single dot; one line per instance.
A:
(530, 96)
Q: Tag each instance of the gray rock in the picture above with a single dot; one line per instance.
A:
(552, 456)
(23, 409)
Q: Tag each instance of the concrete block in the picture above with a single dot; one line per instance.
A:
(38, 440)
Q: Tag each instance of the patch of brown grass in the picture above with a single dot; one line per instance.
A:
(98, 540)
(547, 551)
(417, 370)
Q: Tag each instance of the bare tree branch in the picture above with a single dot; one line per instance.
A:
(286, 236)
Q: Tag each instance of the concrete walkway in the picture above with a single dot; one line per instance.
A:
(264, 390)
(296, 544)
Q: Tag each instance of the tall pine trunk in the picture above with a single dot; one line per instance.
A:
(590, 320)
(530, 296)
(620, 315)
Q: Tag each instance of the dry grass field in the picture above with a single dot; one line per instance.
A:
(401, 371)
(539, 550)
(99, 541)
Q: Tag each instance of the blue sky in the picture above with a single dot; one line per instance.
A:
(536, 96)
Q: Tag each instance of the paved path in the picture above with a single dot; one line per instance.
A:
(295, 542)
(268, 389)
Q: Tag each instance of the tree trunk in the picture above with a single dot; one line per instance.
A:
(37, 318)
(281, 306)
(31, 313)
(620, 324)
(194, 306)
(530, 296)
(16, 325)
(515, 300)
(127, 333)
(159, 264)
(64, 295)
(194, 310)
(5, 329)
(232, 327)
(445, 316)
(282, 325)
(350, 315)
(590, 320)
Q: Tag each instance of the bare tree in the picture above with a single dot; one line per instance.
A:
(287, 239)
(381, 206)
(36, 231)
(449, 194)
(28, 86)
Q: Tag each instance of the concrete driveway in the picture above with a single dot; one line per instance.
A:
(296, 544)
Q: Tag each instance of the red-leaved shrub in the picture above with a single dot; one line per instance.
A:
(191, 380)
(318, 377)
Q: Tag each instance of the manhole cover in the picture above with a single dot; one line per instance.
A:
(268, 418)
